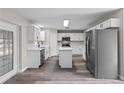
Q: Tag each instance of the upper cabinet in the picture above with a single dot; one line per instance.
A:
(73, 36)
(35, 34)
(42, 36)
(110, 23)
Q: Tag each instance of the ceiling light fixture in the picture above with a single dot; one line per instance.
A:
(66, 23)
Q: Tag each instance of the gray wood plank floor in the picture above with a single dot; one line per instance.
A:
(51, 73)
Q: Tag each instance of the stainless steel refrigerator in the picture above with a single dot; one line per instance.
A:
(102, 53)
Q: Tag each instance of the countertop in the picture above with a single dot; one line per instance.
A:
(35, 49)
(65, 48)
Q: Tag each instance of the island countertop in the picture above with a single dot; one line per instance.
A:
(65, 48)
(35, 49)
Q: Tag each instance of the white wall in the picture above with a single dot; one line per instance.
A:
(53, 42)
(9, 16)
(47, 41)
(117, 14)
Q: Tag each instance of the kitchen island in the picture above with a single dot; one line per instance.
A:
(65, 57)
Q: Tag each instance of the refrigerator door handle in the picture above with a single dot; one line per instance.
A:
(88, 47)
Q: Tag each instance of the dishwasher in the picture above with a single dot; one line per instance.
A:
(42, 57)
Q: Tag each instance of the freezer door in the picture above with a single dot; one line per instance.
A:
(107, 54)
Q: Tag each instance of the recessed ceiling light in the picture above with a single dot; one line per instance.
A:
(66, 23)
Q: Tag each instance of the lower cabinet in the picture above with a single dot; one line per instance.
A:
(36, 58)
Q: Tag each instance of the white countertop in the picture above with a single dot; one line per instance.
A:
(65, 48)
(34, 49)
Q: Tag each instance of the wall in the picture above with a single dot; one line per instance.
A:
(117, 14)
(47, 41)
(53, 42)
(9, 16)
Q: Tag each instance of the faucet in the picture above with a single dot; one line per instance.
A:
(38, 42)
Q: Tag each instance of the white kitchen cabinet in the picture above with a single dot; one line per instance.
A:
(35, 34)
(65, 57)
(81, 37)
(68, 34)
(76, 37)
(34, 58)
(110, 23)
(113, 22)
(41, 36)
(73, 36)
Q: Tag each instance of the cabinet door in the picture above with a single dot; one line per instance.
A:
(81, 37)
(41, 36)
(76, 37)
(63, 34)
(37, 34)
(107, 23)
(68, 34)
(114, 22)
(72, 37)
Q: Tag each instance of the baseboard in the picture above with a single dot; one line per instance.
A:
(121, 78)
(7, 76)
(24, 69)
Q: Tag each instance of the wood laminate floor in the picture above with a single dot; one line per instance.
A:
(51, 73)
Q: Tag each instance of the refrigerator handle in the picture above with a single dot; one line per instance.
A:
(88, 46)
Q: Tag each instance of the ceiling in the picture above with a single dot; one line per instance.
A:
(80, 18)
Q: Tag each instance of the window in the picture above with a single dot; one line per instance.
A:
(6, 52)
